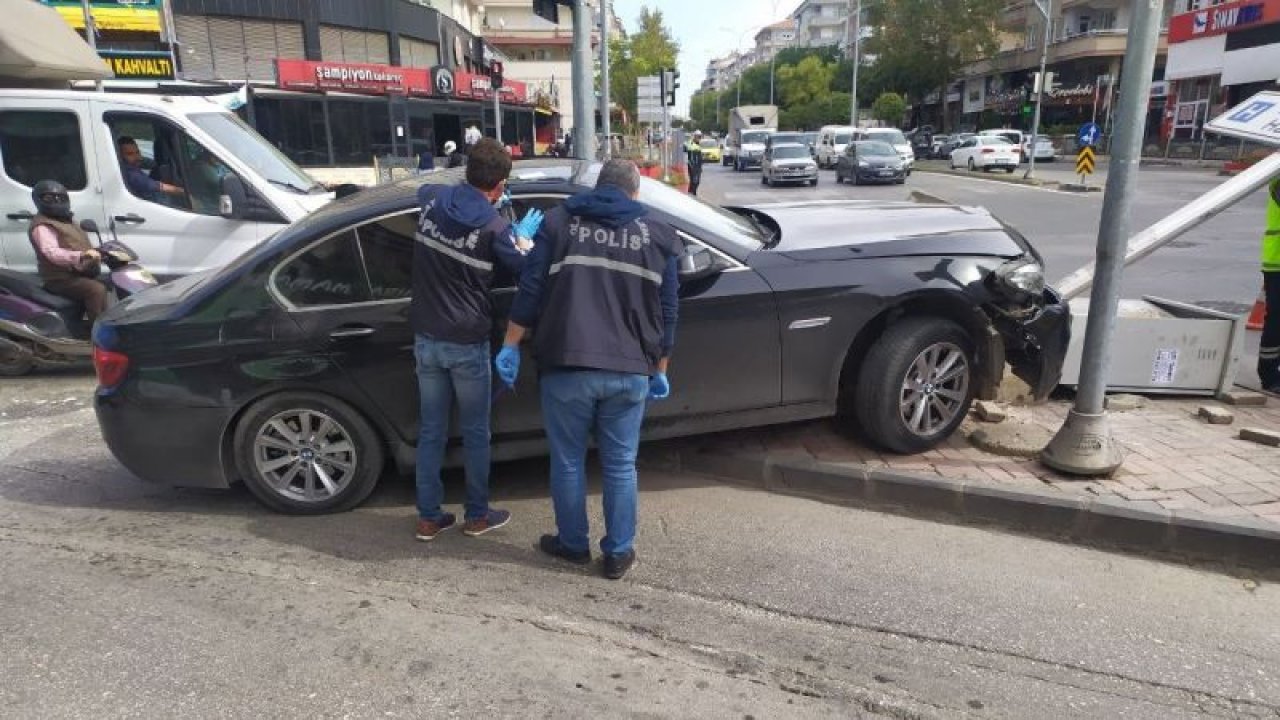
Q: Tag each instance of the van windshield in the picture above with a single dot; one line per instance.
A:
(893, 137)
(754, 137)
(249, 147)
(843, 138)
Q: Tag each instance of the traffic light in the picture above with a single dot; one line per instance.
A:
(670, 82)
(547, 10)
(495, 75)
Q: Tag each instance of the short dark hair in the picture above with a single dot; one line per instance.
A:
(488, 164)
(126, 140)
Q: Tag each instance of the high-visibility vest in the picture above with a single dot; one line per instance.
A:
(1271, 236)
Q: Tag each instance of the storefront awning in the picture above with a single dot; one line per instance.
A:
(35, 44)
(1251, 65)
(1195, 58)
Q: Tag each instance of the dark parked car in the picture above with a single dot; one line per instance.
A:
(871, 161)
(292, 370)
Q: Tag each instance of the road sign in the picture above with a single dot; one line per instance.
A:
(1089, 134)
(1257, 118)
(649, 98)
(1084, 160)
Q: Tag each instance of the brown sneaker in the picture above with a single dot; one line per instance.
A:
(481, 525)
(429, 529)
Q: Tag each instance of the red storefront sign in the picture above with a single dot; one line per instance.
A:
(1222, 19)
(352, 77)
(471, 85)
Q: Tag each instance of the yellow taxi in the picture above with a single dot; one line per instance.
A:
(710, 150)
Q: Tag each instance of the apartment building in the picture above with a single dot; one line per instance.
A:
(821, 22)
(775, 37)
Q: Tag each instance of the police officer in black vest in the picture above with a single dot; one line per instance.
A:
(601, 285)
(461, 236)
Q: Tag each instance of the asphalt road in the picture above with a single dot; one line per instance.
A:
(1216, 265)
(121, 599)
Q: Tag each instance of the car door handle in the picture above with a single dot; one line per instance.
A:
(351, 332)
(22, 215)
(131, 219)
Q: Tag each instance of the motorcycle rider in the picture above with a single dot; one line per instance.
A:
(67, 263)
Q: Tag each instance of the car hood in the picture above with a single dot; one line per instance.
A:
(848, 230)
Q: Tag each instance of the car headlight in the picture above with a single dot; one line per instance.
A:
(1021, 277)
(863, 163)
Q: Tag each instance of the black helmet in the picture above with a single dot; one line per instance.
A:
(51, 200)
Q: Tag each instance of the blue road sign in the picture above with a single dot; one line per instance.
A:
(1089, 134)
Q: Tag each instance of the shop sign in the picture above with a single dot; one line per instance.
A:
(1221, 19)
(352, 77)
(442, 81)
(139, 65)
(472, 85)
(1070, 95)
(127, 15)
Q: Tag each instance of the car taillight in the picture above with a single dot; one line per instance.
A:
(111, 367)
(988, 151)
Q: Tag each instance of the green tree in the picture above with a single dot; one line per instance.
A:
(805, 81)
(920, 45)
(889, 108)
(830, 109)
(643, 53)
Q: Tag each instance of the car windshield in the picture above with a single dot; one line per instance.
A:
(757, 136)
(785, 138)
(893, 137)
(876, 148)
(1011, 137)
(783, 152)
(843, 138)
(995, 140)
(709, 144)
(250, 148)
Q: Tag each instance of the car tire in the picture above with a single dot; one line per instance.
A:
(813, 182)
(972, 165)
(1010, 170)
(891, 378)
(901, 181)
(275, 428)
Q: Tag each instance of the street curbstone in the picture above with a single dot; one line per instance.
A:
(1118, 522)
(1240, 541)
(1260, 436)
(1025, 509)
(746, 469)
(897, 488)
(1215, 415)
(845, 484)
(1243, 398)
(1124, 402)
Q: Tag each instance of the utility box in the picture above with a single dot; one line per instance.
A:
(1163, 346)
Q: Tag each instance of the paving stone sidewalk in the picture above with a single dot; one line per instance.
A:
(1175, 463)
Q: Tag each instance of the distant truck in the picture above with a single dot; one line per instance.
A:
(749, 125)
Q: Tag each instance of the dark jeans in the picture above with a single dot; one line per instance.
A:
(695, 179)
(1269, 352)
(446, 371)
(87, 291)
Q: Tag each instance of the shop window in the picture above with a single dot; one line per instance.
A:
(360, 131)
(42, 145)
(328, 273)
(295, 126)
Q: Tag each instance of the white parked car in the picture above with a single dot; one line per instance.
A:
(986, 152)
(788, 163)
(1044, 149)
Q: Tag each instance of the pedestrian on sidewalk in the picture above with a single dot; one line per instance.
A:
(453, 158)
(460, 237)
(1269, 352)
(693, 157)
(601, 285)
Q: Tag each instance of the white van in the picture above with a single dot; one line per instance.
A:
(229, 189)
(894, 137)
(832, 140)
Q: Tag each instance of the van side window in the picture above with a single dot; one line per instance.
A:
(160, 163)
(42, 145)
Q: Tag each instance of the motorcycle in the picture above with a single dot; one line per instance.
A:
(41, 330)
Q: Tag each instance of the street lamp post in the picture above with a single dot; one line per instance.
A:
(1044, 7)
(855, 20)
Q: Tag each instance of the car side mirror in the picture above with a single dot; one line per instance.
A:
(697, 264)
(232, 203)
(89, 226)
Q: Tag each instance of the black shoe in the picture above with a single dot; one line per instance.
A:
(615, 566)
(550, 544)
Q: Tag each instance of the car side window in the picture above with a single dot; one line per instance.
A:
(387, 248)
(42, 145)
(327, 273)
(160, 163)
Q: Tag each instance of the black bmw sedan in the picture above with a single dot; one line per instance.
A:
(291, 369)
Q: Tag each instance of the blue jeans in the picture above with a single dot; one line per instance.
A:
(446, 370)
(575, 403)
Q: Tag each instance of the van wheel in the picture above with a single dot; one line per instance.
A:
(916, 385)
(307, 454)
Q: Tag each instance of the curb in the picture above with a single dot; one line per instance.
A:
(1011, 179)
(1100, 522)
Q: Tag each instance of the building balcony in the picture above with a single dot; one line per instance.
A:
(547, 36)
(1095, 43)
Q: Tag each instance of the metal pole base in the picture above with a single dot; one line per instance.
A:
(1083, 446)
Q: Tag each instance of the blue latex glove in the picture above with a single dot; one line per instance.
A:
(528, 227)
(507, 365)
(659, 388)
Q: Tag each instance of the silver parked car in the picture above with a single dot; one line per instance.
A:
(788, 163)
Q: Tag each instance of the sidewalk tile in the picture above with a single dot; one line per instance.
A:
(1209, 497)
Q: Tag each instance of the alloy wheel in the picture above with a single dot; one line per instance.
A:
(934, 389)
(304, 455)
